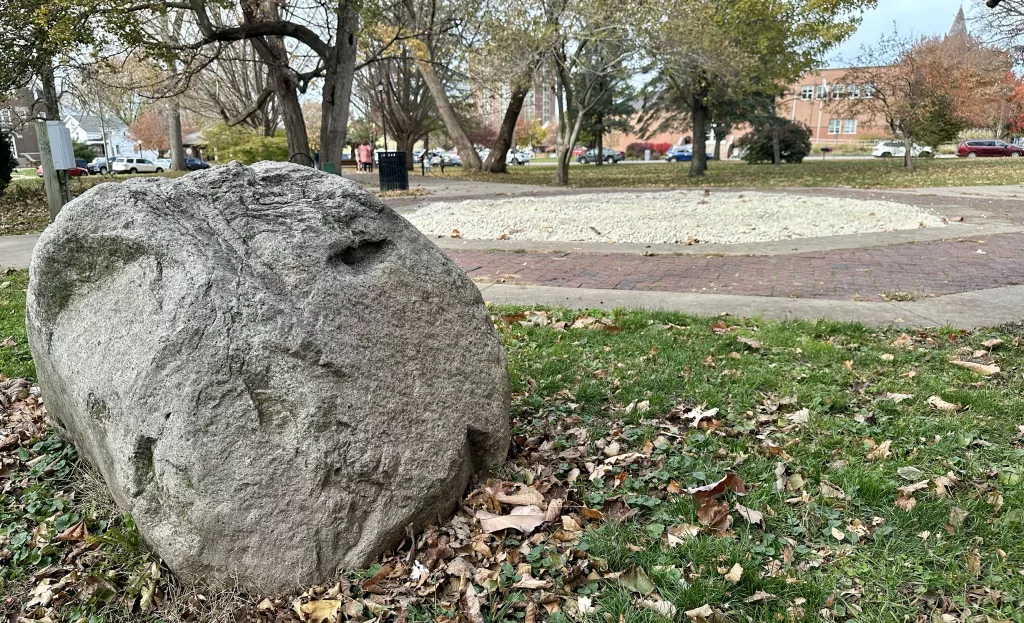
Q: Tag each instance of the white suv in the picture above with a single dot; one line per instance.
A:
(135, 165)
(895, 149)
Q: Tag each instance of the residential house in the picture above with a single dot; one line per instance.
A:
(105, 135)
(16, 117)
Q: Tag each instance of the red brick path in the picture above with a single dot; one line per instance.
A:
(927, 268)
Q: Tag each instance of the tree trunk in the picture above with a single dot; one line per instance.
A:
(700, 111)
(337, 87)
(51, 101)
(718, 146)
(177, 148)
(600, 142)
(470, 159)
(405, 143)
(776, 147)
(273, 53)
(496, 159)
(908, 149)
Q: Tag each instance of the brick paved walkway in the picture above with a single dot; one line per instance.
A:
(929, 268)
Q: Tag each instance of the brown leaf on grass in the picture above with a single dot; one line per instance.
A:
(898, 398)
(752, 516)
(637, 581)
(713, 514)
(848, 364)
(829, 490)
(382, 573)
(675, 535)
(76, 532)
(731, 482)
(471, 605)
(944, 483)
(978, 368)
(592, 513)
(616, 509)
(665, 609)
(720, 326)
(531, 613)
(554, 510)
(905, 495)
(903, 341)
(525, 519)
(938, 403)
(758, 597)
(995, 498)
(750, 343)
(322, 611)
(881, 451)
(957, 517)
(703, 614)
(526, 496)
(974, 563)
(734, 574)
(10, 342)
(993, 343)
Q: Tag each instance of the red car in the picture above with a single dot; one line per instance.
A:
(988, 148)
(77, 171)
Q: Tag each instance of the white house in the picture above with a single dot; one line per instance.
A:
(92, 130)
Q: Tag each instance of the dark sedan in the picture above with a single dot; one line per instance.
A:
(608, 155)
(195, 164)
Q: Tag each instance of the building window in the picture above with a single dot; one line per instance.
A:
(868, 90)
(853, 90)
(546, 103)
(807, 93)
(838, 90)
(5, 117)
(833, 126)
(850, 126)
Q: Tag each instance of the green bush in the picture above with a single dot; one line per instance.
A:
(83, 151)
(245, 145)
(8, 163)
(794, 142)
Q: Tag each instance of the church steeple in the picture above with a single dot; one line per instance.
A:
(959, 27)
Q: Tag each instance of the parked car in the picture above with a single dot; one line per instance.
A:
(514, 156)
(896, 149)
(683, 153)
(134, 165)
(450, 159)
(163, 163)
(75, 172)
(579, 151)
(608, 155)
(98, 166)
(988, 148)
(195, 164)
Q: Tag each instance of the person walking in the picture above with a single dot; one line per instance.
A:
(365, 157)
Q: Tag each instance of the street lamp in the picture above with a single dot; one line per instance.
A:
(383, 121)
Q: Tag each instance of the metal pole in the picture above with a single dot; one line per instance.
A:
(54, 195)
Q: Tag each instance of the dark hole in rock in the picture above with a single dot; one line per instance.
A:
(360, 256)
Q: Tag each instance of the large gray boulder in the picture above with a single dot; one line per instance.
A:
(273, 372)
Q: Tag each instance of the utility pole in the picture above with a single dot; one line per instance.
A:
(54, 194)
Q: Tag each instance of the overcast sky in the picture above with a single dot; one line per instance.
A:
(911, 17)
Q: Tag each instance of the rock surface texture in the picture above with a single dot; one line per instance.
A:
(273, 372)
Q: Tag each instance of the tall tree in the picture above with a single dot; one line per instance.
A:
(705, 50)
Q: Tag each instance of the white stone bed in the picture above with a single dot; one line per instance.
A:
(685, 216)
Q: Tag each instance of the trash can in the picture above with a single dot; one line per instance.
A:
(392, 171)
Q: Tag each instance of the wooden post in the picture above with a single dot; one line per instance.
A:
(54, 195)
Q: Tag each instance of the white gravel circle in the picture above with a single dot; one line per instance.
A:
(668, 217)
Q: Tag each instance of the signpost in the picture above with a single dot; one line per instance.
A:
(57, 156)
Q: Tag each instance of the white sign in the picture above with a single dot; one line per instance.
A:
(62, 151)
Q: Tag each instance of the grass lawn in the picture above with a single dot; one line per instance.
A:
(813, 173)
(841, 493)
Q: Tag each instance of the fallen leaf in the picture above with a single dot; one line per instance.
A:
(714, 515)
(887, 357)
(527, 496)
(979, 368)
(752, 516)
(910, 473)
(320, 611)
(76, 532)
(989, 344)
(799, 418)
(637, 581)
(838, 534)
(662, 607)
(758, 597)
(902, 341)
(938, 403)
(585, 605)
(471, 602)
(525, 519)
(701, 614)
(898, 398)
(675, 535)
(957, 517)
(754, 344)
(455, 234)
(829, 490)
(382, 573)
(881, 451)
(735, 574)
(731, 482)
